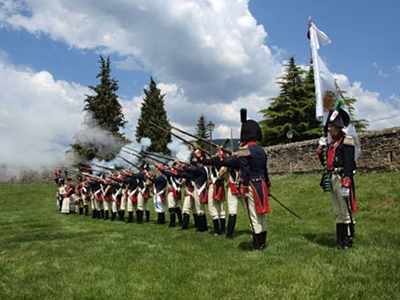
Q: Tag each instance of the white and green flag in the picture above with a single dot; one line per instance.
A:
(327, 93)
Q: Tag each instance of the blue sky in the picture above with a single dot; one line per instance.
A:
(210, 57)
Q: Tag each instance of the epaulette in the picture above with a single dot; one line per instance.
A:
(348, 140)
(243, 151)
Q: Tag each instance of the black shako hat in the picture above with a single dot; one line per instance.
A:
(251, 130)
(339, 118)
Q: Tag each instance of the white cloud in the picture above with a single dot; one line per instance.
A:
(369, 105)
(380, 71)
(38, 116)
(208, 57)
(213, 49)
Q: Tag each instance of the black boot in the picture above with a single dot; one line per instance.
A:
(171, 217)
(106, 215)
(258, 241)
(222, 225)
(147, 215)
(99, 214)
(122, 217)
(179, 214)
(196, 220)
(130, 217)
(347, 237)
(263, 240)
(139, 216)
(352, 229)
(102, 213)
(339, 235)
(162, 218)
(217, 229)
(81, 210)
(231, 226)
(185, 221)
(200, 223)
(158, 218)
(86, 210)
(113, 216)
(94, 214)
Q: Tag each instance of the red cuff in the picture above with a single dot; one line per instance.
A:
(174, 172)
(244, 189)
(181, 166)
(320, 153)
(160, 168)
(346, 182)
(197, 153)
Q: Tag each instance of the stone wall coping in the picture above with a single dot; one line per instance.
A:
(365, 134)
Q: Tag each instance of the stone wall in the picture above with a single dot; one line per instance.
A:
(380, 151)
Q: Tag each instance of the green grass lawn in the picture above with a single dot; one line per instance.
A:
(46, 255)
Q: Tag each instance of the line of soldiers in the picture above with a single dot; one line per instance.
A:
(218, 181)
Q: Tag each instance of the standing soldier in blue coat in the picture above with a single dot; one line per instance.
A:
(255, 181)
(341, 165)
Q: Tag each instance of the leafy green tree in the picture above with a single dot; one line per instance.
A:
(201, 131)
(290, 110)
(105, 116)
(153, 111)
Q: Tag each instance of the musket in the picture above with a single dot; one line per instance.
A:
(163, 156)
(106, 168)
(285, 207)
(134, 154)
(129, 148)
(148, 154)
(143, 156)
(180, 138)
(86, 174)
(202, 140)
(127, 161)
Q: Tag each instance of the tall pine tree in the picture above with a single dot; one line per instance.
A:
(105, 116)
(153, 110)
(201, 131)
(290, 109)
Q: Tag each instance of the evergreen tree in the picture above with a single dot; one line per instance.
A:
(290, 109)
(153, 111)
(312, 127)
(294, 108)
(201, 131)
(105, 115)
(361, 124)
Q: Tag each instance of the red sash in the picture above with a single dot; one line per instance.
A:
(233, 188)
(203, 197)
(262, 205)
(353, 201)
(218, 192)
